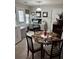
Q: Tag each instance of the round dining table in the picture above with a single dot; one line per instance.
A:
(42, 39)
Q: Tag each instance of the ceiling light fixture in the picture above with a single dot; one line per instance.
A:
(38, 9)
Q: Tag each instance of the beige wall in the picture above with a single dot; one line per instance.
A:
(19, 6)
(52, 11)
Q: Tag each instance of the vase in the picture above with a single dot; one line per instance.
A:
(45, 33)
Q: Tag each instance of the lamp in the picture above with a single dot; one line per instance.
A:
(38, 9)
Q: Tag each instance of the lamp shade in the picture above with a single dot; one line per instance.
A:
(38, 9)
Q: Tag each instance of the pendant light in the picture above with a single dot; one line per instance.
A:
(38, 9)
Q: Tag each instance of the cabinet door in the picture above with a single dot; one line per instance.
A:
(23, 31)
(17, 34)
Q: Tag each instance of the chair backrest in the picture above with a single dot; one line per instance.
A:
(57, 47)
(29, 42)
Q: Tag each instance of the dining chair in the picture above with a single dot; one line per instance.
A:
(33, 47)
(55, 49)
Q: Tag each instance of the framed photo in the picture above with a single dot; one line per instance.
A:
(33, 13)
(38, 14)
(45, 14)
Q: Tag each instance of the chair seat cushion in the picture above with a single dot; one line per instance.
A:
(55, 50)
(36, 46)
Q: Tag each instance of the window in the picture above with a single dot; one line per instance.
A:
(21, 16)
(27, 18)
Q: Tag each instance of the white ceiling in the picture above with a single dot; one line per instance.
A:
(43, 2)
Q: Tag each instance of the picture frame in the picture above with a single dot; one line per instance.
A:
(33, 13)
(38, 14)
(45, 14)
